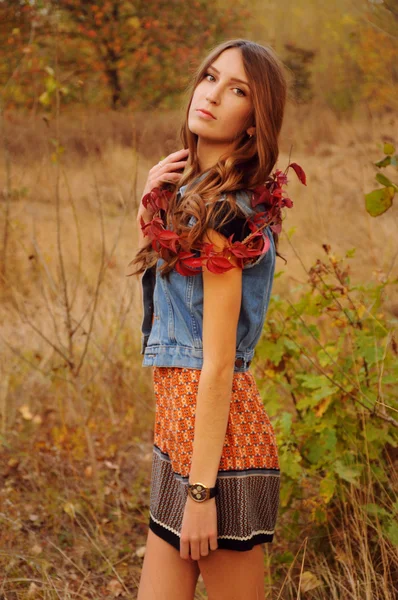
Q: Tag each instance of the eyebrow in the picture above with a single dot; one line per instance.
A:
(232, 78)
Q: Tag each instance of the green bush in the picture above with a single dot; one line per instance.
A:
(328, 370)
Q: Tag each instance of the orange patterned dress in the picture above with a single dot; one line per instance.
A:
(248, 476)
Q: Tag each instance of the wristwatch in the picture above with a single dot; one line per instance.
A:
(200, 492)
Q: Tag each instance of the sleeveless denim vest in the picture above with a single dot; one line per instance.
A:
(171, 331)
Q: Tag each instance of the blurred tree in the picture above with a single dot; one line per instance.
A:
(299, 60)
(376, 56)
(16, 32)
(145, 49)
(351, 63)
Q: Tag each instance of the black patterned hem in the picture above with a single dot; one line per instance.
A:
(227, 544)
(247, 504)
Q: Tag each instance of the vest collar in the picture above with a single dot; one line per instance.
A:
(182, 189)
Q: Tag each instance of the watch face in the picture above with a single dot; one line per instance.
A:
(198, 492)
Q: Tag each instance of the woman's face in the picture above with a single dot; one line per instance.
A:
(224, 93)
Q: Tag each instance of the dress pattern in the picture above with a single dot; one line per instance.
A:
(248, 477)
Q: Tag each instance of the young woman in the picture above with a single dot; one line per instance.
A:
(208, 231)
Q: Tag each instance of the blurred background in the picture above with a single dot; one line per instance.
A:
(92, 95)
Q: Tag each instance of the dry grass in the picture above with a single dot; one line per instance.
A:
(56, 535)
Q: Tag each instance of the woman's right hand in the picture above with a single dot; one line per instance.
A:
(164, 172)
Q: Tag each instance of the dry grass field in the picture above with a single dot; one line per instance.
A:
(76, 407)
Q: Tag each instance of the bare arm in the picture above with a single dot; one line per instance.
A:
(221, 307)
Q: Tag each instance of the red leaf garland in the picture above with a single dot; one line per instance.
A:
(168, 243)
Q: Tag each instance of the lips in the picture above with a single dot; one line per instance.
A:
(205, 112)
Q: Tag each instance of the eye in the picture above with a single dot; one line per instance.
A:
(241, 92)
(207, 75)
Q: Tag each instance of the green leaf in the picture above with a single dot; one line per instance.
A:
(350, 253)
(313, 382)
(285, 422)
(290, 232)
(385, 181)
(375, 509)
(271, 350)
(384, 162)
(315, 454)
(44, 99)
(373, 432)
(350, 473)
(391, 531)
(378, 201)
(327, 488)
(284, 558)
(292, 347)
(286, 492)
(388, 148)
(324, 392)
(290, 464)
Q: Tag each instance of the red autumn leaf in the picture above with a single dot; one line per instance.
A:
(144, 226)
(157, 199)
(260, 195)
(243, 250)
(259, 217)
(161, 236)
(281, 178)
(182, 270)
(277, 228)
(185, 261)
(219, 264)
(194, 262)
(288, 202)
(299, 172)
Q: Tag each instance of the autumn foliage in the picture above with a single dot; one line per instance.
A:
(142, 53)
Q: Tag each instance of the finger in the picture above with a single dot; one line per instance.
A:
(195, 552)
(184, 548)
(175, 156)
(169, 178)
(172, 166)
(213, 543)
(204, 547)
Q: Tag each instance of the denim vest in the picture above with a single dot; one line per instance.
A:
(173, 310)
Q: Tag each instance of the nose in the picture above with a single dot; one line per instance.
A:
(213, 96)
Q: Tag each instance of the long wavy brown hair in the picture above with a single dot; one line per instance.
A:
(246, 167)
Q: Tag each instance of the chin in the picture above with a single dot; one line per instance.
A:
(195, 127)
(202, 132)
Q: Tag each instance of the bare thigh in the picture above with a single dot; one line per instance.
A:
(233, 575)
(165, 575)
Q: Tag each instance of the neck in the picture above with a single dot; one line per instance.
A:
(209, 152)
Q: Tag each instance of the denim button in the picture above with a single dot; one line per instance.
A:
(240, 362)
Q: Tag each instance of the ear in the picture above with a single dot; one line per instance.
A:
(251, 131)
